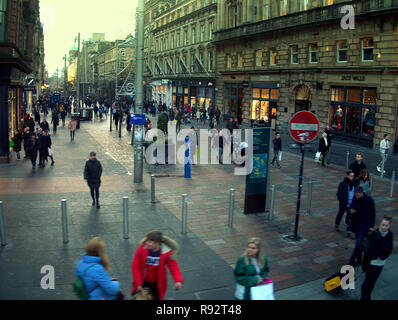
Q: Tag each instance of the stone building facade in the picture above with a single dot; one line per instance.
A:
(179, 54)
(21, 65)
(275, 58)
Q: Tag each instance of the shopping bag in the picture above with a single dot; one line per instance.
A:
(263, 291)
(317, 156)
(175, 122)
(197, 153)
(280, 156)
(50, 152)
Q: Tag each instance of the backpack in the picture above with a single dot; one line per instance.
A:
(79, 289)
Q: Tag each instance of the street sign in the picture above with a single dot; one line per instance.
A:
(137, 119)
(304, 127)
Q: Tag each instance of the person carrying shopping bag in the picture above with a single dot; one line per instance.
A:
(251, 270)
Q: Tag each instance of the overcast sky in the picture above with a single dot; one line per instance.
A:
(64, 19)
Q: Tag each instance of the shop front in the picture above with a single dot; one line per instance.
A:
(233, 101)
(180, 93)
(353, 113)
(264, 103)
(162, 92)
(202, 94)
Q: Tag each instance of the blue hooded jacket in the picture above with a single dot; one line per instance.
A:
(98, 283)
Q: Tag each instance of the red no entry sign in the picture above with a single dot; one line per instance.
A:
(304, 127)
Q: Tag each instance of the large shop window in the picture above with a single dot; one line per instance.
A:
(234, 100)
(264, 104)
(353, 111)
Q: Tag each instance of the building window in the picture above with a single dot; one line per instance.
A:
(123, 52)
(272, 55)
(266, 10)
(185, 37)
(367, 50)
(342, 51)
(211, 27)
(166, 40)
(294, 54)
(233, 100)
(353, 111)
(193, 35)
(327, 2)
(178, 40)
(313, 53)
(264, 104)
(204, 3)
(202, 32)
(234, 16)
(304, 5)
(192, 63)
(259, 58)
(211, 62)
(229, 62)
(240, 61)
(283, 7)
(172, 42)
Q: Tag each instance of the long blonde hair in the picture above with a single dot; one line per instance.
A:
(96, 248)
(259, 258)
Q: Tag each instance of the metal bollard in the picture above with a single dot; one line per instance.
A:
(125, 217)
(272, 205)
(153, 189)
(392, 184)
(2, 228)
(309, 198)
(64, 221)
(184, 213)
(347, 164)
(231, 207)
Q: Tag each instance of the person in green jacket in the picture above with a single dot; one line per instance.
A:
(251, 269)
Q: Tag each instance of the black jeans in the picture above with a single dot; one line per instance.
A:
(153, 288)
(96, 191)
(342, 209)
(372, 274)
(42, 159)
(72, 135)
(276, 155)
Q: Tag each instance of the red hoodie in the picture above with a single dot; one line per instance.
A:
(139, 262)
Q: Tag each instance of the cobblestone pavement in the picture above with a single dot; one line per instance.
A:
(321, 252)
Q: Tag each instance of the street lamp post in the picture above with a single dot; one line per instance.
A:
(139, 69)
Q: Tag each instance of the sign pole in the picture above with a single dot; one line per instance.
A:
(300, 187)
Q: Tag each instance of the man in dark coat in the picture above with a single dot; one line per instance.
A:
(358, 165)
(17, 139)
(323, 147)
(55, 120)
(45, 143)
(26, 136)
(92, 174)
(277, 148)
(31, 124)
(33, 147)
(378, 248)
(44, 125)
(345, 195)
(363, 220)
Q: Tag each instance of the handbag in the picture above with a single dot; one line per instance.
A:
(280, 156)
(264, 291)
(175, 122)
(50, 152)
(240, 292)
(317, 156)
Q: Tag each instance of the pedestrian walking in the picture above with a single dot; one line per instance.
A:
(63, 117)
(116, 117)
(178, 118)
(93, 269)
(277, 149)
(378, 248)
(193, 143)
(92, 174)
(37, 115)
(345, 195)
(358, 165)
(44, 145)
(221, 141)
(72, 128)
(148, 267)
(323, 147)
(384, 148)
(17, 139)
(365, 182)
(31, 124)
(55, 121)
(329, 133)
(26, 137)
(251, 269)
(363, 220)
(33, 147)
(44, 125)
(50, 151)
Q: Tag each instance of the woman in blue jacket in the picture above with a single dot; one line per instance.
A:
(93, 269)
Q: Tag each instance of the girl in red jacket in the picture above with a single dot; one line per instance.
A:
(149, 265)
